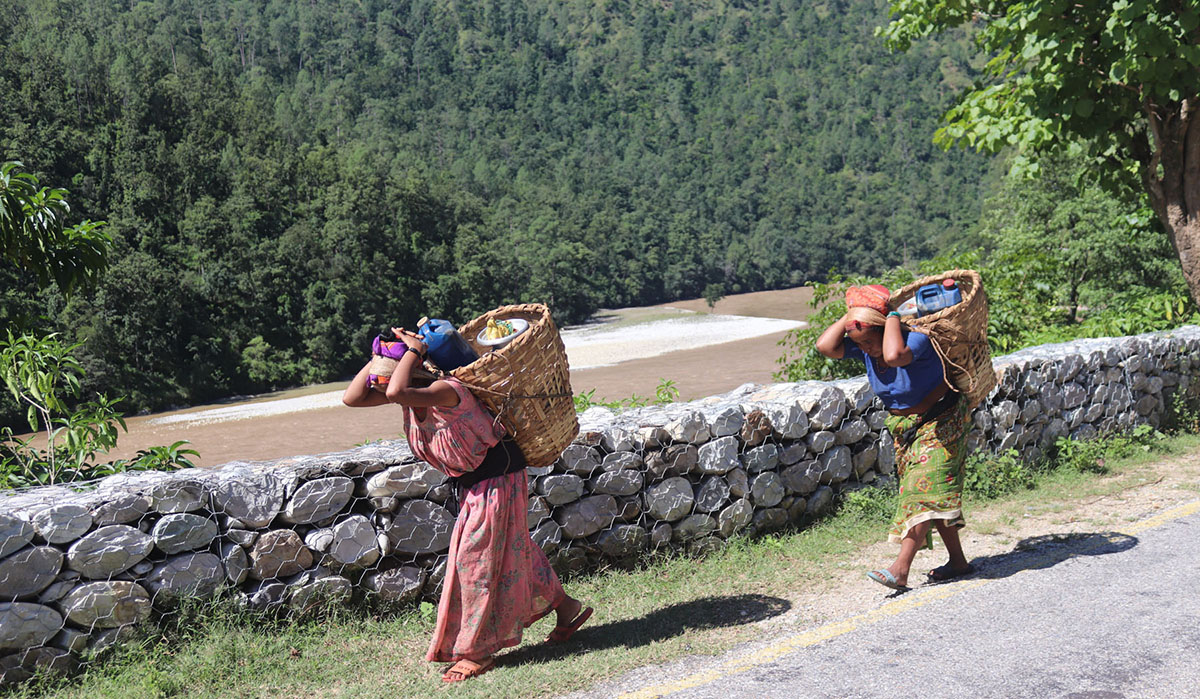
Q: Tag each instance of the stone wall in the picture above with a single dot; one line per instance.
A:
(80, 571)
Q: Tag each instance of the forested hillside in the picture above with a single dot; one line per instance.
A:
(281, 178)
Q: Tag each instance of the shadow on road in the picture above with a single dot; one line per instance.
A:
(659, 625)
(1051, 549)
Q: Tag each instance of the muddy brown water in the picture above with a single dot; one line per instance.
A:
(696, 372)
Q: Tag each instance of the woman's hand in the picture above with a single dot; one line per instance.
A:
(400, 389)
(412, 340)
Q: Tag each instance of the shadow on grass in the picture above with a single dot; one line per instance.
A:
(1049, 550)
(659, 625)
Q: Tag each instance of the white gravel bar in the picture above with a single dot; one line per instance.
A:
(589, 347)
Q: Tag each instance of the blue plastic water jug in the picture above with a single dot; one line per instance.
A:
(447, 349)
(934, 297)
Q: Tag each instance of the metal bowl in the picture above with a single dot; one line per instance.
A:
(520, 325)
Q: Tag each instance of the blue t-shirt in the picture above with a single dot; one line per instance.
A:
(906, 386)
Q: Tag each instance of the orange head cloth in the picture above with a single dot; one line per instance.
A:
(859, 318)
(874, 296)
(867, 306)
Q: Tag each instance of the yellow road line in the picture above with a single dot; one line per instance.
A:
(1161, 519)
(812, 637)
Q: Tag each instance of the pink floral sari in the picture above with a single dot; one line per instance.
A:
(497, 580)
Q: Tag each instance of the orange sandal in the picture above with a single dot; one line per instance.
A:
(466, 669)
(561, 634)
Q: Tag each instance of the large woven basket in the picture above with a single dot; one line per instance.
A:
(958, 333)
(526, 383)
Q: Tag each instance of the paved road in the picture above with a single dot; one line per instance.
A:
(1092, 616)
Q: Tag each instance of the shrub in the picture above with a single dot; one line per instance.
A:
(990, 476)
(870, 504)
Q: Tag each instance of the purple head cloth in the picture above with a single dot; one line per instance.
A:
(393, 349)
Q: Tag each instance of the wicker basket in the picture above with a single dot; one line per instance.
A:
(958, 333)
(383, 366)
(386, 366)
(526, 383)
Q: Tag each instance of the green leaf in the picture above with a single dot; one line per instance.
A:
(1084, 107)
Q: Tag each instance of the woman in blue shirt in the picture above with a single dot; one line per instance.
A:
(929, 426)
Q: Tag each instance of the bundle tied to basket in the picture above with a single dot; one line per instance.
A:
(526, 383)
(958, 333)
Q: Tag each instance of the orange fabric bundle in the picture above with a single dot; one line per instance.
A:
(873, 296)
(862, 317)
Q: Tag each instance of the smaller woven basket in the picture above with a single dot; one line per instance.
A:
(958, 333)
(386, 366)
(383, 366)
(526, 383)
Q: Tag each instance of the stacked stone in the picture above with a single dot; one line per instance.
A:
(80, 571)
(691, 476)
(1081, 390)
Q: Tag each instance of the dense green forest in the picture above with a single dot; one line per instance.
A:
(281, 178)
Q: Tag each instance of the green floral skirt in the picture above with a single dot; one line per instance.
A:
(930, 469)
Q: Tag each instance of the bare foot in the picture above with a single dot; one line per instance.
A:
(571, 615)
(884, 577)
(567, 610)
(950, 572)
(901, 576)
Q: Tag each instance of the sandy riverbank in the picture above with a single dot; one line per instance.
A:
(625, 352)
(588, 347)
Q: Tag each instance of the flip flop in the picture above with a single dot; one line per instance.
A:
(884, 577)
(561, 634)
(944, 573)
(466, 669)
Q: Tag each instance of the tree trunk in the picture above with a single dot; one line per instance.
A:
(1073, 301)
(1172, 178)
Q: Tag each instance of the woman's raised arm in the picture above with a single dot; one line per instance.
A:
(830, 341)
(895, 350)
(400, 389)
(359, 395)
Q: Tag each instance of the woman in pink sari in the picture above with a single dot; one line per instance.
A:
(497, 580)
